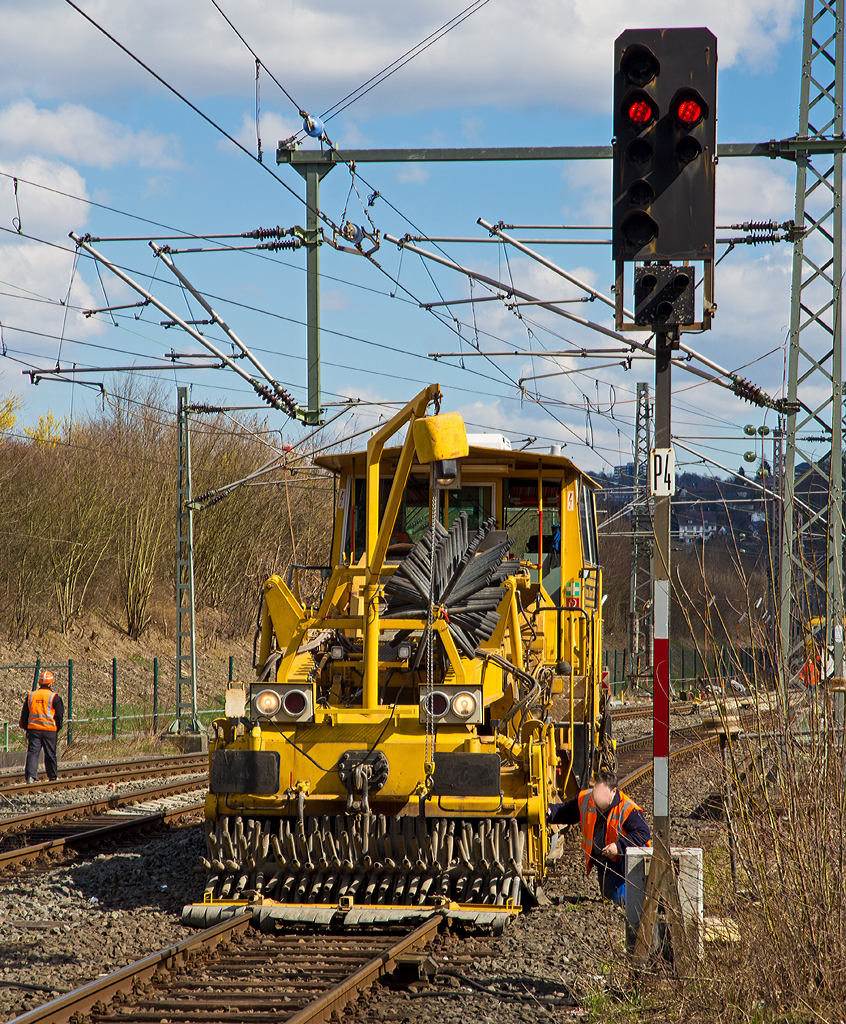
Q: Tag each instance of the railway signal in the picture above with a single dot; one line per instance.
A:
(664, 153)
(665, 133)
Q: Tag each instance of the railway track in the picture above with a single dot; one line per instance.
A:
(27, 837)
(77, 776)
(233, 973)
(676, 708)
(634, 757)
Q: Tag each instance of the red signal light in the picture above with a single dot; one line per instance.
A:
(640, 112)
(689, 111)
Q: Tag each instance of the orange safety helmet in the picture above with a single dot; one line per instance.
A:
(46, 678)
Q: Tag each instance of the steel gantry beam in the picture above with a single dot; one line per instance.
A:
(811, 573)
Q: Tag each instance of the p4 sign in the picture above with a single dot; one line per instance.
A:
(662, 472)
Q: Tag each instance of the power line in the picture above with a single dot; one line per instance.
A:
(258, 60)
(401, 61)
(197, 110)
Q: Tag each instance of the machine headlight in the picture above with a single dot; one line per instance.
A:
(295, 703)
(337, 652)
(436, 704)
(463, 704)
(267, 703)
(404, 652)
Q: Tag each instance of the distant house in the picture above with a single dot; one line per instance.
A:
(697, 528)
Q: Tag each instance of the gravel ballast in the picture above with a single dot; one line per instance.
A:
(66, 925)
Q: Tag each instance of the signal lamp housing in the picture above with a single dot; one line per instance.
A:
(664, 295)
(450, 704)
(639, 109)
(664, 149)
(689, 108)
(640, 65)
(639, 151)
(281, 702)
(639, 229)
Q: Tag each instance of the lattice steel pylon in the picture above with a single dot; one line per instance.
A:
(186, 651)
(812, 538)
(640, 591)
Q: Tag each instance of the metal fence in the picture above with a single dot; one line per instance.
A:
(149, 708)
(718, 662)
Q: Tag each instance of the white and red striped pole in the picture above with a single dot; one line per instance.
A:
(661, 598)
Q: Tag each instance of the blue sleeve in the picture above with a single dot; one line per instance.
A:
(564, 814)
(635, 831)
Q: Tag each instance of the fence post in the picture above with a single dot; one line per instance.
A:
(231, 666)
(114, 698)
(70, 701)
(155, 694)
(37, 673)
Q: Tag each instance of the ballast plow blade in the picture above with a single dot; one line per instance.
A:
(266, 914)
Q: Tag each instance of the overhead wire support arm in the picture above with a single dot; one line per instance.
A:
(277, 397)
(37, 375)
(737, 385)
(221, 323)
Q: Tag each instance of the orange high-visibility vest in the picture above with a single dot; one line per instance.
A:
(616, 819)
(41, 714)
(810, 673)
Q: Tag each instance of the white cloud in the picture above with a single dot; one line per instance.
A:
(751, 190)
(413, 174)
(32, 272)
(506, 55)
(274, 128)
(47, 214)
(77, 133)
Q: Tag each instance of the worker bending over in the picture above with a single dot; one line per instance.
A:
(610, 823)
(42, 716)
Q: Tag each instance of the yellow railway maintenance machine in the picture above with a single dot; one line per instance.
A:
(412, 722)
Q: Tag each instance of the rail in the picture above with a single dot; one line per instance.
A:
(83, 999)
(91, 824)
(262, 980)
(76, 776)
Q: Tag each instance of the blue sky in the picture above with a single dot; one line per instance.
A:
(78, 116)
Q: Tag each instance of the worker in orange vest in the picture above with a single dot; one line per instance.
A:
(42, 716)
(610, 822)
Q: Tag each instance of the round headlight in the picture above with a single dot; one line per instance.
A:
(295, 703)
(436, 704)
(267, 702)
(463, 705)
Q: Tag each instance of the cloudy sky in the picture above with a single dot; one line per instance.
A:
(98, 145)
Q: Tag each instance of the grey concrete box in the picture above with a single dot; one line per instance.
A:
(687, 864)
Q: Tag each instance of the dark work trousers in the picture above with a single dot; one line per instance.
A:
(612, 884)
(36, 739)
